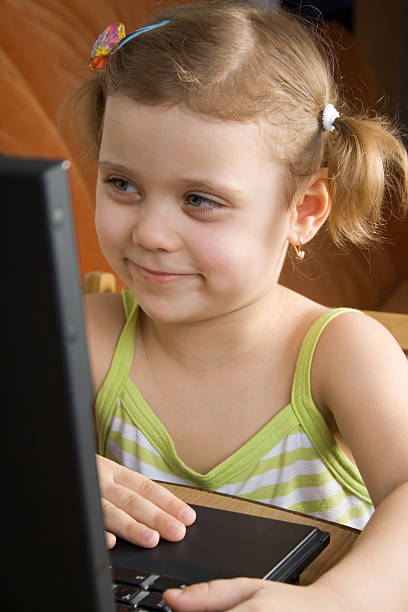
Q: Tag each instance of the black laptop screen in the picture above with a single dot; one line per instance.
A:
(56, 527)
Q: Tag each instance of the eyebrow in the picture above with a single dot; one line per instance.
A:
(107, 165)
(198, 182)
(204, 184)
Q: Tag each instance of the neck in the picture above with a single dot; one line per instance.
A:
(209, 343)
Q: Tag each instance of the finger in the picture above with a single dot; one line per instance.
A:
(110, 539)
(212, 596)
(158, 495)
(120, 523)
(144, 511)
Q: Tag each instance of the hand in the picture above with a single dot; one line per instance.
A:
(138, 509)
(250, 595)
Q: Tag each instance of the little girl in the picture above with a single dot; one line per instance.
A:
(221, 141)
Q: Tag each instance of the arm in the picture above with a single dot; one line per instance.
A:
(368, 397)
(373, 576)
(135, 508)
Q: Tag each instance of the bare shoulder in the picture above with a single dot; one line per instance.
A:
(356, 349)
(104, 317)
(361, 376)
(360, 335)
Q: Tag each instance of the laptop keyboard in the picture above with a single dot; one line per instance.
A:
(141, 590)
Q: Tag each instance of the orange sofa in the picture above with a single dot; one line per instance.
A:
(44, 51)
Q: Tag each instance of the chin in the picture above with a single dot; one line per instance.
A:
(172, 313)
(163, 311)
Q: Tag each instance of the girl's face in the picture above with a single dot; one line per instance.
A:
(188, 211)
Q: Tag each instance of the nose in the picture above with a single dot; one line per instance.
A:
(156, 227)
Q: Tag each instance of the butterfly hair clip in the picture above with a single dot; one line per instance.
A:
(112, 39)
(106, 45)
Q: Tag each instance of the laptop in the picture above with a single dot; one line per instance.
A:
(57, 559)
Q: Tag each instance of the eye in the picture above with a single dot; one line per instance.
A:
(122, 185)
(194, 200)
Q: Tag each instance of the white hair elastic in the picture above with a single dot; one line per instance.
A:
(330, 113)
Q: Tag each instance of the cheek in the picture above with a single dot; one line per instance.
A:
(104, 232)
(109, 227)
(102, 224)
(247, 257)
(228, 259)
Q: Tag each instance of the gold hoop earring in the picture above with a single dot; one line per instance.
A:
(300, 254)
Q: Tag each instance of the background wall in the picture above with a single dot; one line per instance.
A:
(381, 28)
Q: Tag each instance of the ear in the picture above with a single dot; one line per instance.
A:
(311, 209)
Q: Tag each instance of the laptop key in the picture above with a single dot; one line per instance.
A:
(129, 576)
(154, 601)
(130, 595)
(125, 608)
(166, 582)
(146, 580)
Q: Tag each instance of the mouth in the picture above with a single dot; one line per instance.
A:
(161, 277)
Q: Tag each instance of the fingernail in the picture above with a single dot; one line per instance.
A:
(187, 516)
(176, 530)
(149, 536)
(174, 592)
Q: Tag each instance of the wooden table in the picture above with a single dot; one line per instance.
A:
(341, 537)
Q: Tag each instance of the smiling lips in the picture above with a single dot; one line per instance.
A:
(158, 276)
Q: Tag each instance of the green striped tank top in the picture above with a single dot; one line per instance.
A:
(292, 462)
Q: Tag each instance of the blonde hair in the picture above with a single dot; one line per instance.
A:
(232, 60)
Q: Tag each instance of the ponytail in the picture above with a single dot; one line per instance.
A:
(367, 173)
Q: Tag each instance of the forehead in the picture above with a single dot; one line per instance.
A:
(173, 138)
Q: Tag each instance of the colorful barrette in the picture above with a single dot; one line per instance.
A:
(105, 45)
(112, 39)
